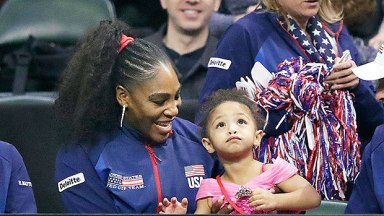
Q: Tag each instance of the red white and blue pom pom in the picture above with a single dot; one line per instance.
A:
(323, 142)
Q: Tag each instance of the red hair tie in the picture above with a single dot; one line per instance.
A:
(124, 41)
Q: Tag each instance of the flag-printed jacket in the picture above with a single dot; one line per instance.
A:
(258, 37)
(124, 175)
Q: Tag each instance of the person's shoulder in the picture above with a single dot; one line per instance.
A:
(10, 156)
(377, 140)
(280, 163)
(380, 130)
(258, 23)
(208, 188)
(85, 147)
(74, 152)
(68, 153)
(180, 125)
(7, 151)
(186, 129)
(4, 146)
(258, 18)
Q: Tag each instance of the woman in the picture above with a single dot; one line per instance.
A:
(119, 98)
(285, 29)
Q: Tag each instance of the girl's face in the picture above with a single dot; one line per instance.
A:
(300, 10)
(231, 131)
(153, 104)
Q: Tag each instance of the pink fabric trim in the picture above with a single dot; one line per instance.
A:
(278, 172)
(263, 167)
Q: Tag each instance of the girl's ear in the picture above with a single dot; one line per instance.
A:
(208, 145)
(163, 4)
(122, 95)
(258, 135)
(217, 5)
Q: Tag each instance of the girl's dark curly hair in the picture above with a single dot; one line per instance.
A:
(87, 106)
(224, 95)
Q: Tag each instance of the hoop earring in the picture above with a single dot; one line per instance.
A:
(122, 116)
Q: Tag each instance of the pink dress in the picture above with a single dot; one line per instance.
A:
(278, 172)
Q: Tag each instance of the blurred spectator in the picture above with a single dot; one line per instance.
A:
(362, 19)
(186, 39)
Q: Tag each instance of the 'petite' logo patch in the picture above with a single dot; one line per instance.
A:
(71, 181)
(219, 63)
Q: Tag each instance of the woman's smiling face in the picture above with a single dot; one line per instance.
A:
(153, 104)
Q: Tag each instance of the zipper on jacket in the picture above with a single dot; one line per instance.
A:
(154, 157)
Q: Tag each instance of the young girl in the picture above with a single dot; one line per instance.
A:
(231, 131)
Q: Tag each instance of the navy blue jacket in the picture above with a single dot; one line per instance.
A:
(259, 37)
(122, 174)
(368, 192)
(16, 194)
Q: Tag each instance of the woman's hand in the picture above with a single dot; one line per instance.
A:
(342, 77)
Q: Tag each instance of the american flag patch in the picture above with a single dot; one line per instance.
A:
(132, 181)
(125, 182)
(194, 170)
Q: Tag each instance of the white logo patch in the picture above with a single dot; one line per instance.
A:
(25, 183)
(71, 181)
(219, 63)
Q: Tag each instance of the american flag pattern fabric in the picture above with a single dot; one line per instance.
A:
(132, 182)
(194, 170)
(320, 49)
